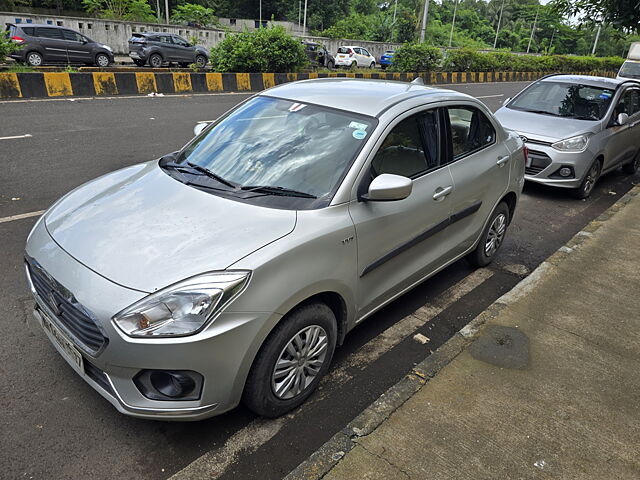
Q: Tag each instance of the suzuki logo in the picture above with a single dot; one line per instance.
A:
(53, 303)
(524, 139)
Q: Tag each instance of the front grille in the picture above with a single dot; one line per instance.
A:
(67, 312)
(539, 161)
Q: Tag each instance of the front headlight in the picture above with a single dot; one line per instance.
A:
(573, 144)
(183, 308)
(108, 48)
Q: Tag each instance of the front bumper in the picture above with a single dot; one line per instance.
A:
(546, 161)
(222, 353)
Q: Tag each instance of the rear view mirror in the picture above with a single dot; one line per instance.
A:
(388, 187)
(197, 130)
(505, 101)
(622, 119)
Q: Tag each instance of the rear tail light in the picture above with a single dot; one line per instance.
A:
(525, 150)
(17, 39)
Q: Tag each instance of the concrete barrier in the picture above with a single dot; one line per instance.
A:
(90, 84)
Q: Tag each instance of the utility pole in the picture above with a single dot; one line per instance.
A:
(304, 20)
(260, 24)
(453, 23)
(533, 28)
(166, 10)
(299, 13)
(158, 10)
(395, 7)
(425, 12)
(595, 44)
(495, 41)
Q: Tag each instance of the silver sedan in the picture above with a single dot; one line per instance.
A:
(232, 269)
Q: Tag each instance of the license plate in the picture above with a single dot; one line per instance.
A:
(63, 342)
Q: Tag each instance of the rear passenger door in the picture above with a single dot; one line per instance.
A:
(78, 47)
(182, 50)
(480, 167)
(53, 44)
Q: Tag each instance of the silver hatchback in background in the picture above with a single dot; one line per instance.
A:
(576, 127)
(231, 269)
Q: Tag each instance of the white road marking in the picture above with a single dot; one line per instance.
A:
(28, 135)
(21, 216)
(213, 464)
(491, 96)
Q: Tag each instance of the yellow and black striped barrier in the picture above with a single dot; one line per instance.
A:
(89, 84)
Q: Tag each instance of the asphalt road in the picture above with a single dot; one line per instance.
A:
(53, 425)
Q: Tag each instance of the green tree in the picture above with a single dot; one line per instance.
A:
(196, 14)
(133, 10)
(622, 14)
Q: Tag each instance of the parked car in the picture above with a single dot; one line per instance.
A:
(232, 269)
(630, 69)
(576, 127)
(50, 44)
(386, 58)
(353, 56)
(318, 55)
(157, 49)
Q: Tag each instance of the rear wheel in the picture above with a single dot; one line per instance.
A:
(492, 237)
(102, 60)
(632, 167)
(155, 60)
(292, 360)
(34, 59)
(589, 181)
(201, 61)
(383, 67)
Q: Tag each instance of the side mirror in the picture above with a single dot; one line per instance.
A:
(197, 130)
(622, 119)
(388, 187)
(505, 101)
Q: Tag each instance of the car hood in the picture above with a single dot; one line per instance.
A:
(543, 127)
(144, 230)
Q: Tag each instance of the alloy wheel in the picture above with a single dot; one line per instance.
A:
(102, 60)
(495, 235)
(591, 178)
(299, 362)
(34, 59)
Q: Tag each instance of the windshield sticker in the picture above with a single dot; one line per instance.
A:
(359, 134)
(605, 95)
(296, 107)
(358, 126)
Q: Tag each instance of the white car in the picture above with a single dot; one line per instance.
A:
(353, 56)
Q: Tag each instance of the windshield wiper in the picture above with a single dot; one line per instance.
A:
(210, 174)
(275, 190)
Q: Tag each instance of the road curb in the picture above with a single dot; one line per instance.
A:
(150, 81)
(330, 454)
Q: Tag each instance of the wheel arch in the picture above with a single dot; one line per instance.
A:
(511, 199)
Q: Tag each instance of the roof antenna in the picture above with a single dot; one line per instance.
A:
(417, 81)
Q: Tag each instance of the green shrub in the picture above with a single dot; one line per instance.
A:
(416, 57)
(264, 50)
(7, 47)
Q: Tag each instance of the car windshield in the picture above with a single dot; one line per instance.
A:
(344, 50)
(630, 70)
(561, 99)
(270, 142)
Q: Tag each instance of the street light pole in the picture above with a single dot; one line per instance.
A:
(535, 20)
(595, 44)
(158, 10)
(425, 12)
(260, 25)
(453, 23)
(166, 10)
(495, 41)
(304, 20)
(395, 7)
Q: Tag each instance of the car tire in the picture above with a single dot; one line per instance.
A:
(155, 60)
(383, 67)
(331, 65)
(140, 63)
(263, 394)
(373, 65)
(633, 166)
(353, 65)
(492, 237)
(589, 181)
(184, 64)
(201, 61)
(33, 59)
(102, 60)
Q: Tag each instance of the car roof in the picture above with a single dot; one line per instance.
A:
(603, 82)
(364, 96)
(163, 34)
(39, 25)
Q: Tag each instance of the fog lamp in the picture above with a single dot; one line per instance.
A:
(565, 172)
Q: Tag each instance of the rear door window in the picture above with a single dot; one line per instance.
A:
(165, 39)
(470, 130)
(46, 32)
(72, 36)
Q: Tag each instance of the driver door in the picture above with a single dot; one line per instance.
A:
(399, 242)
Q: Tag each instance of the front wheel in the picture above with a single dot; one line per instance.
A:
(292, 360)
(492, 237)
(330, 65)
(353, 65)
(589, 181)
(102, 60)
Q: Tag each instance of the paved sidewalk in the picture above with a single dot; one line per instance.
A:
(549, 387)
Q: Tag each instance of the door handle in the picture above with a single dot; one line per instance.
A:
(442, 192)
(502, 160)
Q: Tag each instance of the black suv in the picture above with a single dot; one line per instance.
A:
(318, 55)
(160, 48)
(43, 44)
